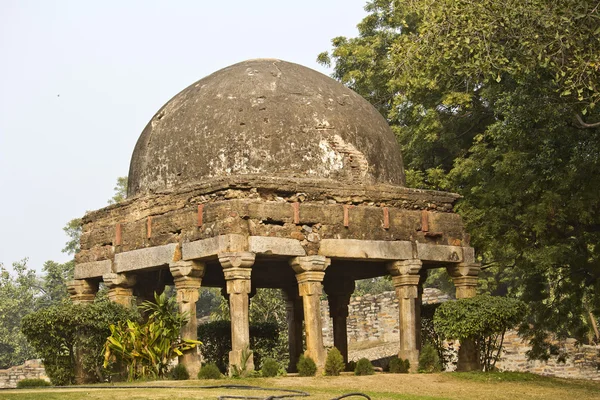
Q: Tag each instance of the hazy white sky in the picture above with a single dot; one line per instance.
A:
(79, 80)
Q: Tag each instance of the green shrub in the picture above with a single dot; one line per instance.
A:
(209, 371)
(76, 329)
(429, 361)
(306, 366)
(334, 363)
(364, 367)
(216, 342)
(399, 366)
(29, 383)
(481, 319)
(179, 373)
(351, 366)
(270, 368)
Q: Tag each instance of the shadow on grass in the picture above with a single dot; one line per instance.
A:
(491, 377)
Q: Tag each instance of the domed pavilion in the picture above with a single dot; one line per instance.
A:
(267, 174)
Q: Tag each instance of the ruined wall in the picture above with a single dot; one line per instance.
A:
(582, 362)
(32, 369)
(271, 207)
(374, 318)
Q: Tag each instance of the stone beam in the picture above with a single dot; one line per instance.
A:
(148, 258)
(93, 269)
(366, 249)
(214, 246)
(275, 246)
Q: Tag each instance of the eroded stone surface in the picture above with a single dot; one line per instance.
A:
(265, 117)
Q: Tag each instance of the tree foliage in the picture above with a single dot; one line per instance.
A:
(120, 190)
(57, 331)
(497, 101)
(19, 294)
(482, 319)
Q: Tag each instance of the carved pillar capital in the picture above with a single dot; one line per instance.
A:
(339, 293)
(113, 280)
(237, 260)
(465, 277)
(404, 267)
(120, 288)
(405, 277)
(82, 291)
(310, 264)
(187, 274)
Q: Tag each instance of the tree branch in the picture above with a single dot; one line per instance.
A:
(584, 125)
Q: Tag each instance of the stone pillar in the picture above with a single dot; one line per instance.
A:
(464, 277)
(82, 291)
(310, 271)
(237, 268)
(295, 317)
(338, 295)
(405, 276)
(120, 288)
(187, 276)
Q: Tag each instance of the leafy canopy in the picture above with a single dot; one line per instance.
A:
(497, 101)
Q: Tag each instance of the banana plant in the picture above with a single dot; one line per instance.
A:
(147, 349)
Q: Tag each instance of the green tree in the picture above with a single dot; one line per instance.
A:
(481, 319)
(120, 191)
(19, 293)
(497, 101)
(73, 231)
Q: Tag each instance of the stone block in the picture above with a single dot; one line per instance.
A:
(211, 247)
(431, 252)
(366, 249)
(147, 258)
(94, 269)
(275, 246)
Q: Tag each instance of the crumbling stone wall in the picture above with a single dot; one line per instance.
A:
(374, 318)
(582, 362)
(32, 369)
(271, 207)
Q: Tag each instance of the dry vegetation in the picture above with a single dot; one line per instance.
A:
(380, 386)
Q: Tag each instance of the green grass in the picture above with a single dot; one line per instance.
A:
(500, 377)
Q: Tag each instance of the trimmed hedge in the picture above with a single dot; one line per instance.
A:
(216, 342)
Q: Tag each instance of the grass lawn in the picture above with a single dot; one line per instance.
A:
(459, 386)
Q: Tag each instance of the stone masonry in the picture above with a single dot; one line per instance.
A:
(32, 369)
(373, 327)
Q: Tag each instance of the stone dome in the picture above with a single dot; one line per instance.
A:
(265, 117)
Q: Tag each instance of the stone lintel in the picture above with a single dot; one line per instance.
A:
(93, 269)
(366, 249)
(441, 253)
(214, 246)
(147, 258)
(275, 246)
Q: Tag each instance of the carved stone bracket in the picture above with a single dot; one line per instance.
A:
(465, 278)
(405, 277)
(120, 287)
(82, 291)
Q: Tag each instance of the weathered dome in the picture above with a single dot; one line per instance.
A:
(265, 117)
